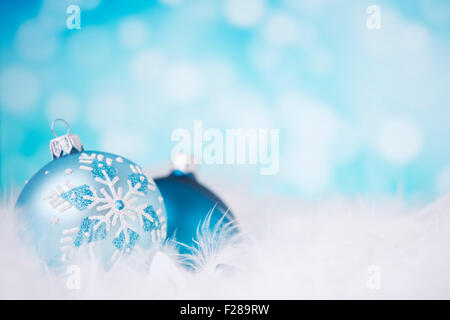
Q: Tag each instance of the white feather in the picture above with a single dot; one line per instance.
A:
(290, 250)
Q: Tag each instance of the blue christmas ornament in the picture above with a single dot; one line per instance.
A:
(90, 200)
(190, 206)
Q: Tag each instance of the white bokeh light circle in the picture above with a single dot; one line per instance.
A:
(35, 42)
(182, 83)
(92, 48)
(317, 125)
(282, 29)
(397, 37)
(132, 32)
(314, 123)
(220, 75)
(62, 105)
(147, 66)
(399, 141)
(106, 109)
(19, 89)
(244, 14)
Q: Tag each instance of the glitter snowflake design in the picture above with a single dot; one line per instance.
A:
(117, 208)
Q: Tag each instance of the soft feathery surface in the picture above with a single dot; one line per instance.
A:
(288, 249)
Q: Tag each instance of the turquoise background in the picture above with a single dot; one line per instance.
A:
(361, 112)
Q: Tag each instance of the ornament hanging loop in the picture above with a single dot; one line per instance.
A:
(53, 124)
(65, 144)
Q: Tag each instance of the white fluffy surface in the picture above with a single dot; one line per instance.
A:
(289, 250)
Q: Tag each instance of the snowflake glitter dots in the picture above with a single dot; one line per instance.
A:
(107, 206)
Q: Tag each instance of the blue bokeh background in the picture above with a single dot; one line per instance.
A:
(361, 112)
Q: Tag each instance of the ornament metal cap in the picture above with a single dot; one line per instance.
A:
(66, 144)
(183, 163)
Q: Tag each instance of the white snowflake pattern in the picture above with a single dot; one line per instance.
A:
(56, 199)
(116, 206)
(119, 207)
(151, 185)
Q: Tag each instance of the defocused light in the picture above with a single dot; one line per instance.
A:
(62, 105)
(436, 11)
(443, 181)
(91, 47)
(182, 83)
(319, 61)
(282, 29)
(88, 4)
(347, 143)
(52, 14)
(316, 126)
(314, 123)
(171, 2)
(244, 63)
(309, 170)
(108, 110)
(220, 75)
(244, 14)
(310, 7)
(266, 57)
(19, 89)
(55, 6)
(16, 136)
(313, 130)
(399, 141)
(203, 10)
(132, 33)
(35, 42)
(396, 37)
(249, 105)
(147, 66)
(415, 38)
(128, 142)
